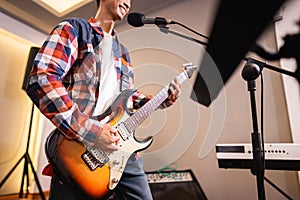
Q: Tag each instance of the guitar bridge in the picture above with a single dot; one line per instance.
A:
(94, 158)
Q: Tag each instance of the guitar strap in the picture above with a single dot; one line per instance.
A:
(124, 80)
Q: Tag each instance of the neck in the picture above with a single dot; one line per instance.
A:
(107, 24)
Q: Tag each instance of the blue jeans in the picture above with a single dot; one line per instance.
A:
(133, 185)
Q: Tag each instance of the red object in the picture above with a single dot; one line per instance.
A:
(48, 170)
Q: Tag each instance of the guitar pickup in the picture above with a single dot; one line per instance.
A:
(94, 161)
(123, 131)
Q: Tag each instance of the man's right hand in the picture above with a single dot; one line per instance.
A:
(108, 140)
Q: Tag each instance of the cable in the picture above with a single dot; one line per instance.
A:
(262, 120)
(180, 24)
(168, 170)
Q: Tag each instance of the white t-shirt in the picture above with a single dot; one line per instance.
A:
(108, 87)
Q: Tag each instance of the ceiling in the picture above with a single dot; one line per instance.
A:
(41, 19)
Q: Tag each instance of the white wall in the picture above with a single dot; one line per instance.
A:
(16, 39)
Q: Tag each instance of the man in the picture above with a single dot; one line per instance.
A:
(76, 75)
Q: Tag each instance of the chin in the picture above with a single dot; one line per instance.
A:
(120, 15)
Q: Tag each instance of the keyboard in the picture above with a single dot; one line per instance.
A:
(278, 156)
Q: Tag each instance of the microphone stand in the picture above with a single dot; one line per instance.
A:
(250, 72)
(276, 69)
(166, 30)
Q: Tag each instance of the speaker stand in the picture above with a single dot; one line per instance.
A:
(27, 162)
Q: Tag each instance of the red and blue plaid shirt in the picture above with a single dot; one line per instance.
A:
(64, 81)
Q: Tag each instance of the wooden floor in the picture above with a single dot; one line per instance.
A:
(29, 197)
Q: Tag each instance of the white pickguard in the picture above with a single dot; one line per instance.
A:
(118, 159)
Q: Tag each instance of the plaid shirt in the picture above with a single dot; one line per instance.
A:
(64, 81)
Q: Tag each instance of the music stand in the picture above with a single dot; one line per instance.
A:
(229, 41)
(26, 156)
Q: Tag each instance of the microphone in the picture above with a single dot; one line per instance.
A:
(138, 19)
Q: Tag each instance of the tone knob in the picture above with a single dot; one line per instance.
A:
(115, 180)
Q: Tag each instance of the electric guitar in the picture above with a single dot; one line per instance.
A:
(91, 171)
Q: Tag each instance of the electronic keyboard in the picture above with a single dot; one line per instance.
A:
(278, 156)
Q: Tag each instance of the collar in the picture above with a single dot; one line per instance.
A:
(96, 25)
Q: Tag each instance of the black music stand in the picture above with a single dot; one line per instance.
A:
(26, 156)
(229, 41)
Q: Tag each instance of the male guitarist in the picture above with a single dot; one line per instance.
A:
(76, 74)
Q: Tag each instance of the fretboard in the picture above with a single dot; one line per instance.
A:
(145, 111)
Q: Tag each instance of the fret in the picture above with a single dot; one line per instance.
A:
(127, 124)
(130, 123)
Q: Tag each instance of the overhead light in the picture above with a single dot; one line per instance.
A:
(61, 7)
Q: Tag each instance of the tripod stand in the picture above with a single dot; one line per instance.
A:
(27, 161)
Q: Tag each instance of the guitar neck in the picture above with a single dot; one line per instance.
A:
(145, 111)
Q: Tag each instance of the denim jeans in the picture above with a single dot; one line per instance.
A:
(132, 186)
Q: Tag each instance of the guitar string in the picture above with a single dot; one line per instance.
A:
(142, 114)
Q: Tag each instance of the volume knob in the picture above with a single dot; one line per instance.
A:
(116, 162)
